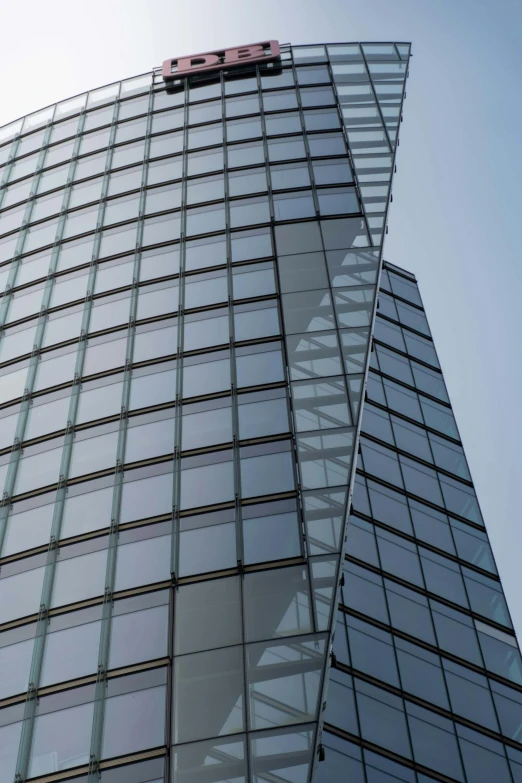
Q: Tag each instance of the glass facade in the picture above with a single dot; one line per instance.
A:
(188, 283)
(426, 677)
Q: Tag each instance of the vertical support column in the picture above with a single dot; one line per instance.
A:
(232, 346)
(96, 749)
(178, 422)
(178, 428)
(236, 455)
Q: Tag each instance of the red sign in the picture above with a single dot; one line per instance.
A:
(221, 58)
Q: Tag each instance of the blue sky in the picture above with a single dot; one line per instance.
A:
(454, 220)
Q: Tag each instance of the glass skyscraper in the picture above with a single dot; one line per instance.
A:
(238, 536)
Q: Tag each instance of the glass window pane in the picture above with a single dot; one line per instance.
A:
(282, 124)
(142, 563)
(382, 718)
(322, 96)
(409, 612)
(364, 592)
(324, 519)
(79, 578)
(247, 128)
(277, 603)
(20, 594)
(214, 759)
(332, 172)
(129, 647)
(260, 367)
(325, 457)
(206, 332)
(44, 419)
(247, 212)
(159, 302)
(210, 547)
(147, 498)
(70, 653)
(28, 529)
(205, 112)
(206, 428)
(167, 120)
(201, 291)
(247, 104)
(161, 262)
(325, 144)
(207, 485)
(313, 75)
(110, 277)
(286, 149)
(61, 740)
(434, 743)
(302, 238)
(372, 651)
(245, 154)
(320, 405)
(205, 189)
(38, 470)
(205, 678)
(154, 343)
(251, 244)
(205, 162)
(162, 199)
(250, 181)
(208, 615)
(128, 154)
(265, 417)
(9, 742)
(293, 206)
(276, 101)
(134, 721)
(483, 758)
(15, 663)
(283, 749)
(104, 356)
(154, 389)
(150, 440)
(206, 219)
(267, 474)
(313, 355)
(253, 281)
(276, 77)
(461, 499)
(455, 633)
(309, 311)
(273, 537)
(86, 512)
(284, 682)
(93, 454)
(131, 130)
(206, 376)
(164, 170)
(302, 272)
(201, 253)
(421, 673)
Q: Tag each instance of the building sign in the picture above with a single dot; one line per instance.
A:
(221, 58)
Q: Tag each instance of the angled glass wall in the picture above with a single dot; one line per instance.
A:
(426, 683)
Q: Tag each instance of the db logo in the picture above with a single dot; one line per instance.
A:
(222, 58)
